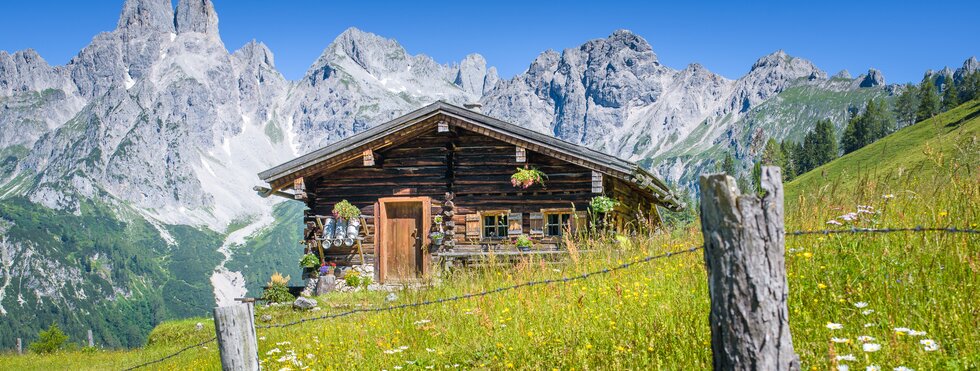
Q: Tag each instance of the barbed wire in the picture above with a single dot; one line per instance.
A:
(564, 280)
(884, 230)
(189, 347)
(485, 293)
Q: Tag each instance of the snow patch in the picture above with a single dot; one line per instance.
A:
(228, 284)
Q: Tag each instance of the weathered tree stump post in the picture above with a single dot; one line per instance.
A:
(20, 346)
(235, 327)
(744, 247)
(91, 340)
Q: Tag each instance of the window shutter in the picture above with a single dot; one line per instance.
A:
(515, 224)
(537, 225)
(473, 226)
(580, 222)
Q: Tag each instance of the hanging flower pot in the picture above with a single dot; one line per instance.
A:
(527, 177)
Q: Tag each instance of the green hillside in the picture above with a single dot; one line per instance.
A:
(914, 153)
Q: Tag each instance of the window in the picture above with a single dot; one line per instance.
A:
(495, 226)
(556, 223)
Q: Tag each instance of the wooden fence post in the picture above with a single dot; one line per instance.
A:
(235, 328)
(91, 340)
(20, 346)
(744, 247)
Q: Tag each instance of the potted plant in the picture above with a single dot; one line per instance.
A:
(526, 177)
(437, 219)
(437, 237)
(346, 210)
(327, 269)
(523, 243)
(602, 204)
(309, 261)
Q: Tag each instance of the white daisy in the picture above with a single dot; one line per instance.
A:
(865, 339)
(840, 340)
(860, 304)
(871, 347)
(847, 357)
(843, 368)
(867, 311)
(902, 330)
(903, 368)
(872, 368)
(929, 345)
(834, 326)
(834, 222)
(917, 333)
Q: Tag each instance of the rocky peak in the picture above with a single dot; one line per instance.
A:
(196, 16)
(474, 77)
(255, 53)
(871, 79)
(26, 71)
(969, 66)
(843, 74)
(147, 15)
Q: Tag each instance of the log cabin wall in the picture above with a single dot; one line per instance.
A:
(477, 170)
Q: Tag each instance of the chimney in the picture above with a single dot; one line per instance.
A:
(475, 107)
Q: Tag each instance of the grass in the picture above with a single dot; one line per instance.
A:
(654, 315)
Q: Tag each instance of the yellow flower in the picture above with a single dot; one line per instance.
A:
(942, 214)
(588, 346)
(807, 255)
(821, 286)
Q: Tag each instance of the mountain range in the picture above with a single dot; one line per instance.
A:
(126, 174)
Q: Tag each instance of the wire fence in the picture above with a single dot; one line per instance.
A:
(189, 347)
(884, 230)
(567, 279)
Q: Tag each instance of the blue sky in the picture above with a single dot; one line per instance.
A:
(902, 39)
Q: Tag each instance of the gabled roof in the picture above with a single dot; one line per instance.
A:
(630, 172)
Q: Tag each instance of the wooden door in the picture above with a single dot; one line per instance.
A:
(404, 225)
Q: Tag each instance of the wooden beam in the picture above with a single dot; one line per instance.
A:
(597, 182)
(368, 157)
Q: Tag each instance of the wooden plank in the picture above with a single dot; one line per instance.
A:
(368, 157)
(235, 329)
(515, 224)
(473, 226)
(537, 225)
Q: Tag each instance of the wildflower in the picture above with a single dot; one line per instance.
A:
(942, 214)
(902, 330)
(834, 222)
(843, 368)
(888, 196)
(397, 367)
(403, 347)
(849, 217)
(929, 345)
(422, 322)
(866, 325)
(871, 347)
(917, 333)
(821, 286)
(860, 304)
(847, 357)
(867, 311)
(834, 326)
(261, 337)
(430, 350)
(903, 368)
(840, 340)
(865, 339)
(807, 255)
(872, 368)
(273, 351)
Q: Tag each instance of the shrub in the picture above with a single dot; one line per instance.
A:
(602, 204)
(309, 261)
(523, 242)
(355, 279)
(49, 341)
(277, 291)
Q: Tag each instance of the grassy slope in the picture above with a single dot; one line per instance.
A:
(654, 315)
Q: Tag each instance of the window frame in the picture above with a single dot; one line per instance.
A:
(501, 224)
(567, 214)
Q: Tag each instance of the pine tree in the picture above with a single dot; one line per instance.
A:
(970, 87)
(728, 165)
(791, 169)
(928, 100)
(951, 97)
(826, 143)
(757, 177)
(906, 105)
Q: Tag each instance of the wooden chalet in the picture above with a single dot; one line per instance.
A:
(454, 162)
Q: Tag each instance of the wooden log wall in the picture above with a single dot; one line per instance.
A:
(475, 169)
